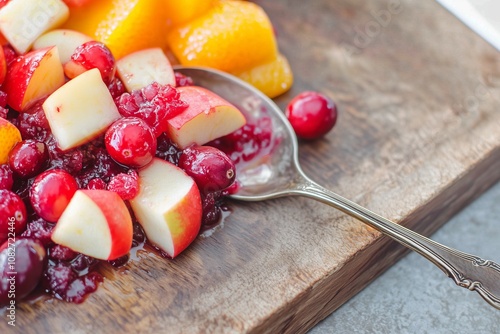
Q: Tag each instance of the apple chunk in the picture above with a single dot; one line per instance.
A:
(168, 206)
(33, 76)
(141, 68)
(208, 117)
(80, 110)
(96, 223)
(23, 21)
(66, 40)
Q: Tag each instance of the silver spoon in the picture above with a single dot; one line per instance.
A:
(279, 174)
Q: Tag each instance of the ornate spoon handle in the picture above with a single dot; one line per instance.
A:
(466, 270)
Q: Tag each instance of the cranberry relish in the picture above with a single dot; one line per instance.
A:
(38, 170)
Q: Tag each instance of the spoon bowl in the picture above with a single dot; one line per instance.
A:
(276, 172)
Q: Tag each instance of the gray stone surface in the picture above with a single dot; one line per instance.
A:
(414, 296)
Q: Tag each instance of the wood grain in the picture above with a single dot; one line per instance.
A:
(418, 138)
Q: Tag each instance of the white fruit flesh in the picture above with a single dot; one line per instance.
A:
(162, 187)
(83, 228)
(141, 68)
(46, 78)
(80, 110)
(23, 21)
(66, 41)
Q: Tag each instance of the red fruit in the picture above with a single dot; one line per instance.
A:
(12, 215)
(182, 80)
(125, 185)
(21, 268)
(91, 55)
(154, 104)
(210, 168)
(76, 3)
(311, 114)
(28, 158)
(6, 177)
(51, 192)
(131, 141)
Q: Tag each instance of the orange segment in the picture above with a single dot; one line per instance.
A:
(272, 78)
(232, 36)
(124, 26)
(179, 12)
(9, 137)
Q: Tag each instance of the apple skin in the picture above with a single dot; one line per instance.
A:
(66, 40)
(141, 68)
(96, 223)
(207, 117)
(80, 110)
(33, 76)
(168, 206)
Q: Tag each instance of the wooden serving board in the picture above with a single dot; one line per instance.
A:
(418, 138)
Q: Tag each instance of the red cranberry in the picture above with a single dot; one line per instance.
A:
(51, 192)
(125, 185)
(3, 98)
(33, 124)
(12, 214)
(28, 158)
(182, 80)
(116, 88)
(154, 104)
(96, 184)
(61, 253)
(131, 141)
(6, 177)
(9, 53)
(40, 230)
(311, 114)
(166, 150)
(210, 168)
(91, 55)
(21, 268)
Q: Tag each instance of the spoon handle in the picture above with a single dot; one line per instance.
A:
(468, 271)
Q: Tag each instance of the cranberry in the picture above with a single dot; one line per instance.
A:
(125, 185)
(21, 268)
(131, 141)
(13, 214)
(83, 263)
(139, 235)
(33, 124)
(182, 80)
(61, 253)
(6, 177)
(51, 192)
(246, 142)
(154, 104)
(96, 184)
(28, 158)
(40, 230)
(116, 88)
(82, 286)
(59, 278)
(91, 55)
(9, 53)
(311, 114)
(210, 168)
(211, 209)
(3, 98)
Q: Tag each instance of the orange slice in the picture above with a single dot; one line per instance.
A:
(231, 36)
(179, 12)
(9, 137)
(124, 26)
(272, 78)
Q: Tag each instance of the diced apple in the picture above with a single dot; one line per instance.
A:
(33, 76)
(80, 110)
(168, 206)
(208, 117)
(23, 21)
(66, 40)
(96, 223)
(141, 68)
